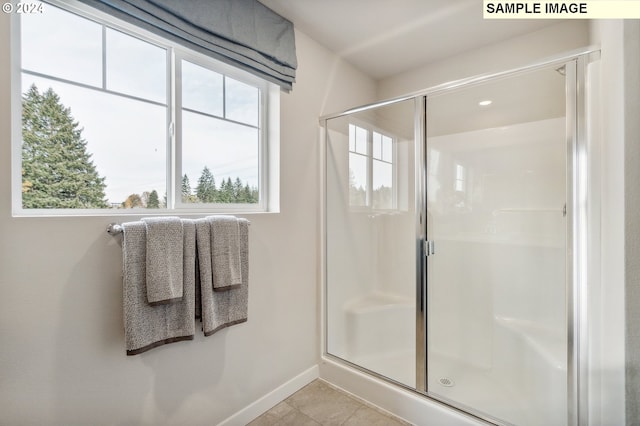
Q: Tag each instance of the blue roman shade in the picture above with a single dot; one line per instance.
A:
(243, 33)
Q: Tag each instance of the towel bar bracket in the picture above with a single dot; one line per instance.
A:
(114, 229)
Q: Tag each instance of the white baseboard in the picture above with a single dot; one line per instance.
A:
(255, 409)
(393, 399)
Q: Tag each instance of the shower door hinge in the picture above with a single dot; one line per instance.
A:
(429, 248)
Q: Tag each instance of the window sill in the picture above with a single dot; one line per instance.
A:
(129, 213)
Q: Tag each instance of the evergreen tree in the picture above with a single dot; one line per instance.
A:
(230, 191)
(247, 195)
(206, 189)
(237, 191)
(154, 200)
(187, 195)
(58, 170)
(225, 195)
(357, 195)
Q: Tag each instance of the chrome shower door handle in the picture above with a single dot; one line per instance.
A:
(429, 247)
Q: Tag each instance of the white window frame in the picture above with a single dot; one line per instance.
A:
(368, 206)
(227, 71)
(268, 123)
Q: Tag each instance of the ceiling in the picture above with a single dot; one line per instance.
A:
(405, 33)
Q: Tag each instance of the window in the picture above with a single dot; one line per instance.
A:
(371, 168)
(116, 119)
(460, 178)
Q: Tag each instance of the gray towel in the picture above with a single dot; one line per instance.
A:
(221, 309)
(149, 326)
(164, 259)
(225, 252)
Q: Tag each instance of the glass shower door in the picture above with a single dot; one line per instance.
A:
(496, 169)
(371, 240)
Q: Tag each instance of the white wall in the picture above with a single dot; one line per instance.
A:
(615, 300)
(631, 36)
(617, 295)
(62, 355)
(511, 53)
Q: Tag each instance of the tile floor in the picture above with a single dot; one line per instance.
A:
(319, 403)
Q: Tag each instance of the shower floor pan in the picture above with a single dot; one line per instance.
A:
(525, 383)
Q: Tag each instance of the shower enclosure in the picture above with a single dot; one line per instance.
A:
(453, 242)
